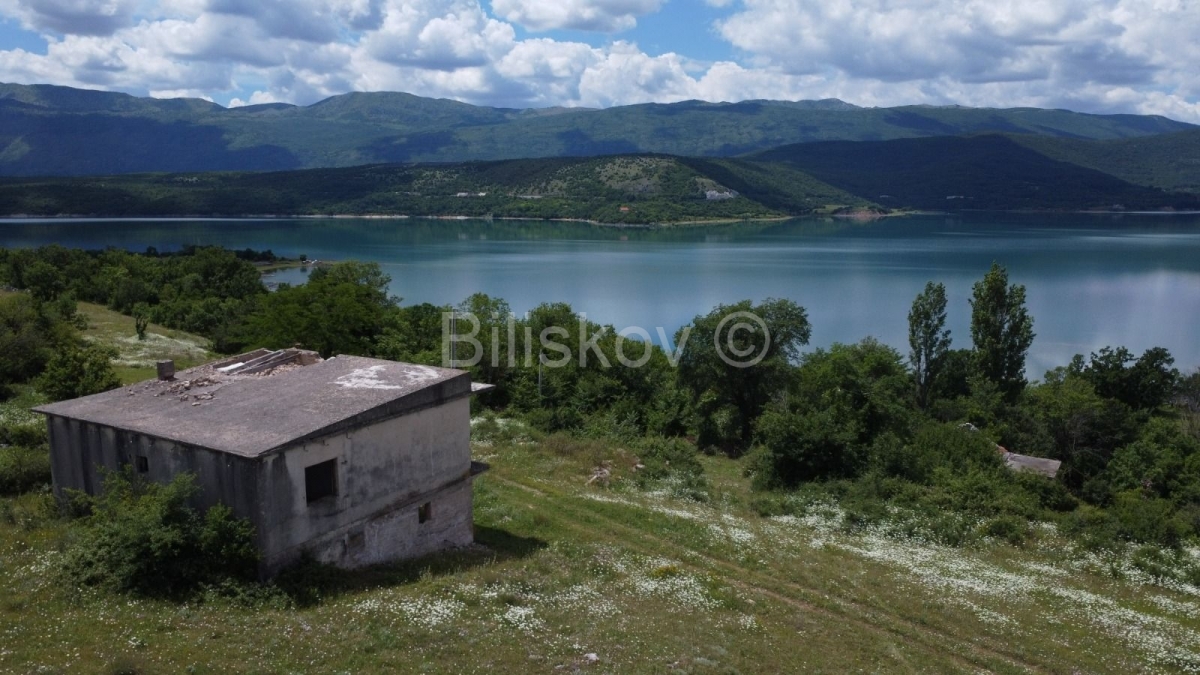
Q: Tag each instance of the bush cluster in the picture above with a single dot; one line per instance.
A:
(145, 538)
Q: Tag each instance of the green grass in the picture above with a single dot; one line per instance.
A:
(136, 358)
(644, 581)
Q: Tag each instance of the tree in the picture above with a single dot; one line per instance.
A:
(866, 379)
(44, 281)
(733, 367)
(29, 334)
(341, 310)
(1143, 384)
(928, 338)
(799, 447)
(1001, 331)
(76, 371)
(141, 319)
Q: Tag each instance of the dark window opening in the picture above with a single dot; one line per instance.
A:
(143, 464)
(320, 481)
(424, 512)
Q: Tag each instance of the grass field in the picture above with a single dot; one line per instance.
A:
(136, 358)
(568, 576)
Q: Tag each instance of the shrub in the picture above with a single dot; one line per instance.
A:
(143, 538)
(29, 435)
(1148, 519)
(73, 372)
(798, 447)
(1050, 493)
(22, 469)
(672, 460)
(947, 447)
(1012, 529)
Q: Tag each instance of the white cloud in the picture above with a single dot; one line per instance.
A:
(606, 16)
(1093, 55)
(75, 17)
(627, 75)
(984, 52)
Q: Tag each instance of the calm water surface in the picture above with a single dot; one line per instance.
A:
(1092, 280)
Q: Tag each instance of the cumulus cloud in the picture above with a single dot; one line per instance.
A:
(991, 52)
(75, 17)
(1093, 55)
(607, 16)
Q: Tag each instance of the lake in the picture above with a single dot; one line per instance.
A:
(1092, 280)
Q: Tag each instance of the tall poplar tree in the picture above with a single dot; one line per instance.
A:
(928, 337)
(1001, 330)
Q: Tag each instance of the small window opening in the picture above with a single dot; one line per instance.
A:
(424, 512)
(143, 464)
(320, 481)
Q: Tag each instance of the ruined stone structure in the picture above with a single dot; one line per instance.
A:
(354, 460)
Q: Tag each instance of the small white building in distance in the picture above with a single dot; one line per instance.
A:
(356, 461)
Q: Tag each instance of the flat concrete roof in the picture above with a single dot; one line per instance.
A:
(253, 415)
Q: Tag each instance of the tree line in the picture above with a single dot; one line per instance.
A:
(860, 422)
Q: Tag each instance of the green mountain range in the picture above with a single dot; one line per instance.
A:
(51, 130)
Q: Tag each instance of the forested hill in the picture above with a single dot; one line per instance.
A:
(616, 189)
(989, 172)
(996, 172)
(1167, 161)
(50, 130)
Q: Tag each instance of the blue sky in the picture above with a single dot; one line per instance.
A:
(13, 36)
(1133, 56)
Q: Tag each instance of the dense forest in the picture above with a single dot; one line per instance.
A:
(909, 439)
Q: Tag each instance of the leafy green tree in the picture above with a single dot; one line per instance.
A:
(22, 339)
(1164, 461)
(76, 371)
(1086, 428)
(30, 333)
(1001, 331)
(341, 310)
(928, 338)
(799, 447)
(413, 334)
(141, 319)
(44, 281)
(866, 379)
(1144, 383)
(718, 365)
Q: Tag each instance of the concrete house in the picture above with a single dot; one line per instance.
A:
(354, 460)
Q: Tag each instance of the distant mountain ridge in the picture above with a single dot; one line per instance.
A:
(53, 130)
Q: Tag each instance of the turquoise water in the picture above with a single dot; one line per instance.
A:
(1092, 281)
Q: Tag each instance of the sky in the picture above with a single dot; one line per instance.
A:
(1103, 56)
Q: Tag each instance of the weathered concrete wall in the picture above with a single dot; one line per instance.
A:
(80, 451)
(384, 473)
(399, 533)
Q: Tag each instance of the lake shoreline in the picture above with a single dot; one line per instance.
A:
(862, 216)
(458, 218)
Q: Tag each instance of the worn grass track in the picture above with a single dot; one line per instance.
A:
(589, 523)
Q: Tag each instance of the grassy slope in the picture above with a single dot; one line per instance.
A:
(645, 582)
(136, 358)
